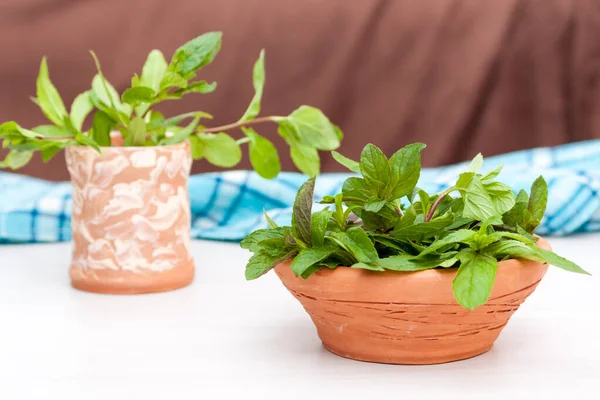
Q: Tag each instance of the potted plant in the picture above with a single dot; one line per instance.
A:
(393, 274)
(129, 169)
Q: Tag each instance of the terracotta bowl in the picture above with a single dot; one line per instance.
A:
(408, 317)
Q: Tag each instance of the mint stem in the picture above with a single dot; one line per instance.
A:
(238, 124)
(437, 202)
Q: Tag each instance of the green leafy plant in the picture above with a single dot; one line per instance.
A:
(132, 113)
(381, 221)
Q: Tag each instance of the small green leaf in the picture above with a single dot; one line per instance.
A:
(153, 71)
(270, 222)
(560, 262)
(108, 95)
(197, 147)
(306, 159)
(492, 174)
(477, 202)
(375, 169)
(424, 200)
(16, 159)
(313, 128)
(171, 80)
(48, 97)
(423, 230)
(515, 215)
(476, 163)
(368, 266)
(48, 131)
(460, 236)
(138, 95)
(263, 155)
(502, 196)
(308, 257)
(261, 263)
(81, 107)
(405, 167)
(346, 162)
(196, 53)
(301, 215)
(319, 221)
(538, 199)
(102, 125)
(50, 151)
(375, 205)
(356, 241)
(201, 87)
(253, 240)
(137, 127)
(408, 263)
(258, 79)
(475, 278)
(221, 149)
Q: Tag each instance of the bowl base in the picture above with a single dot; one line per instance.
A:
(422, 359)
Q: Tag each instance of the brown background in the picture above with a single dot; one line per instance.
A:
(462, 76)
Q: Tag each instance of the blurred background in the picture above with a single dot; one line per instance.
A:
(463, 76)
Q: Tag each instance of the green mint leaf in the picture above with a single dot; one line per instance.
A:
(85, 140)
(201, 87)
(312, 128)
(538, 199)
(375, 169)
(81, 107)
(196, 53)
(460, 236)
(102, 125)
(425, 202)
(560, 262)
(319, 221)
(47, 131)
(422, 230)
(311, 270)
(221, 149)
(253, 240)
(407, 219)
(16, 159)
(137, 128)
(309, 257)
(515, 215)
(405, 167)
(263, 155)
(197, 147)
(464, 180)
(261, 263)
(513, 249)
(270, 222)
(346, 162)
(356, 242)
(367, 266)
(154, 71)
(339, 214)
(477, 202)
(375, 205)
(301, 214)
(476, 163)
(502, 196)
(172, 80)
(408, 263)
(475, 278)
(258, 80)
(492, 174)
(306, 159)
(50, 151)
(48, 97)
(138, 95)
(108, 95)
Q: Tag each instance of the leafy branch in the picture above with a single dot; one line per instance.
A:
(473, 232)
(132, 113)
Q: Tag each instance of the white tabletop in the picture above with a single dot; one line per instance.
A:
(223, 337)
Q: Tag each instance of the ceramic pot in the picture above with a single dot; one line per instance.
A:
(130, 218)
(408, 317)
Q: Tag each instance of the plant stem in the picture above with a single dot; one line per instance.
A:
(437, 203)
(243, 140)
(238, 124)
(398, 209)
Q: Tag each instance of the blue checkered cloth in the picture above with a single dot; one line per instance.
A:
(229, 205)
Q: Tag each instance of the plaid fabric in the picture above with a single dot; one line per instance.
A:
(229, 205)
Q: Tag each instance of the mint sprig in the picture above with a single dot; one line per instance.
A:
(381, 221)
(132, 113)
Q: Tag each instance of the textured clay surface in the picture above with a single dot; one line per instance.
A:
(408, 317)
(130, 218)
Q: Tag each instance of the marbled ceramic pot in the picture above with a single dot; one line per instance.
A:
(130, 218)
(408, 317)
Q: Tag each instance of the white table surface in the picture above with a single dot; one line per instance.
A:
(223, 337)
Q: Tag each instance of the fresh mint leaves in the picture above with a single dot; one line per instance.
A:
(381, 221)
(306, 130)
